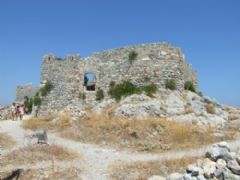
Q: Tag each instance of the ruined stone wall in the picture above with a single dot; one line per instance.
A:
(28, 90)
(154, 64)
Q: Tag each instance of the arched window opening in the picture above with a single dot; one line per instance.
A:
(90, 81)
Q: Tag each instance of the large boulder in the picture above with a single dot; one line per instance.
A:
(139, 111)
(234, 167)
(209, 167)
(219, 151)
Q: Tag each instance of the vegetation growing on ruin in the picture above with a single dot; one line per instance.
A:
(99, 95)
(188, 85)
(46, 89)
(132, 56)
(150, 89)
(37, 101)
(171, 84)
(82, 96)
(126, 88)
(28, 103)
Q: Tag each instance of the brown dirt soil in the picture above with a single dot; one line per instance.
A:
(6, 141)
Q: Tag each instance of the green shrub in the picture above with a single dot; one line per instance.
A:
(99, 95)
(150, 89)
(188, 85)
(37, 101)
(46, 89)
(28, 103)
(132, 56)
(82, 95)
(112, 83)
(123, 89)
(126, 88)
(171, 84)
(146, 79)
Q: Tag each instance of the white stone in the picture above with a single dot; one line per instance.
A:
(174, 176)
(156, 178)
(221, 164)
(209, 168)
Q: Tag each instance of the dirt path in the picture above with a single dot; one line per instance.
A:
(96, 160)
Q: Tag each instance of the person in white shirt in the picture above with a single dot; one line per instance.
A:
(14, 111)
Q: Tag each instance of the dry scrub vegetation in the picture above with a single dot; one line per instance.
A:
(6, 141)
(143, 170)
(139, 135)
(72, 173)
(33, 154)
(50, 122)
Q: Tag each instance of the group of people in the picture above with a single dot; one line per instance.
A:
(18, 111)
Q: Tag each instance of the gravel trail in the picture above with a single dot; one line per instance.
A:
(95, 160)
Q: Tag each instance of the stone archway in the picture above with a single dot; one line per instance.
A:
(89, 81)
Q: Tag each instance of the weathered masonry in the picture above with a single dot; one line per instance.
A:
(25, 91)
(75, 75)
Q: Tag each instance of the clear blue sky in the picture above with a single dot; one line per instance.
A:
(208, 31)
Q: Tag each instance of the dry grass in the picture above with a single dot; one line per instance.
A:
(210, 108)
(140, 135)
(6, 141)
(34, 154)
(144, 170)
(153, 134)
(50, 122)
(72, 173)
(186, 111)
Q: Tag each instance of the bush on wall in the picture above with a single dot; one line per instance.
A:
(28, 103)
(132, 56)
(99, 95)
(188, 85)
(46, 89)
(126, 88)
(171, 84)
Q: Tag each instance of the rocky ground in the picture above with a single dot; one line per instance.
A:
(95, 160)
(174, 105)
(219, 163)
(5, 112)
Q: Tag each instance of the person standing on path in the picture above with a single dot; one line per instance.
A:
(21, 112)
(13, 110)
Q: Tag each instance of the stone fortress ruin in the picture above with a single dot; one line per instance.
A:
(74, 75)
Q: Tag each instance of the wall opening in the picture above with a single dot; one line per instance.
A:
(90, 81)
